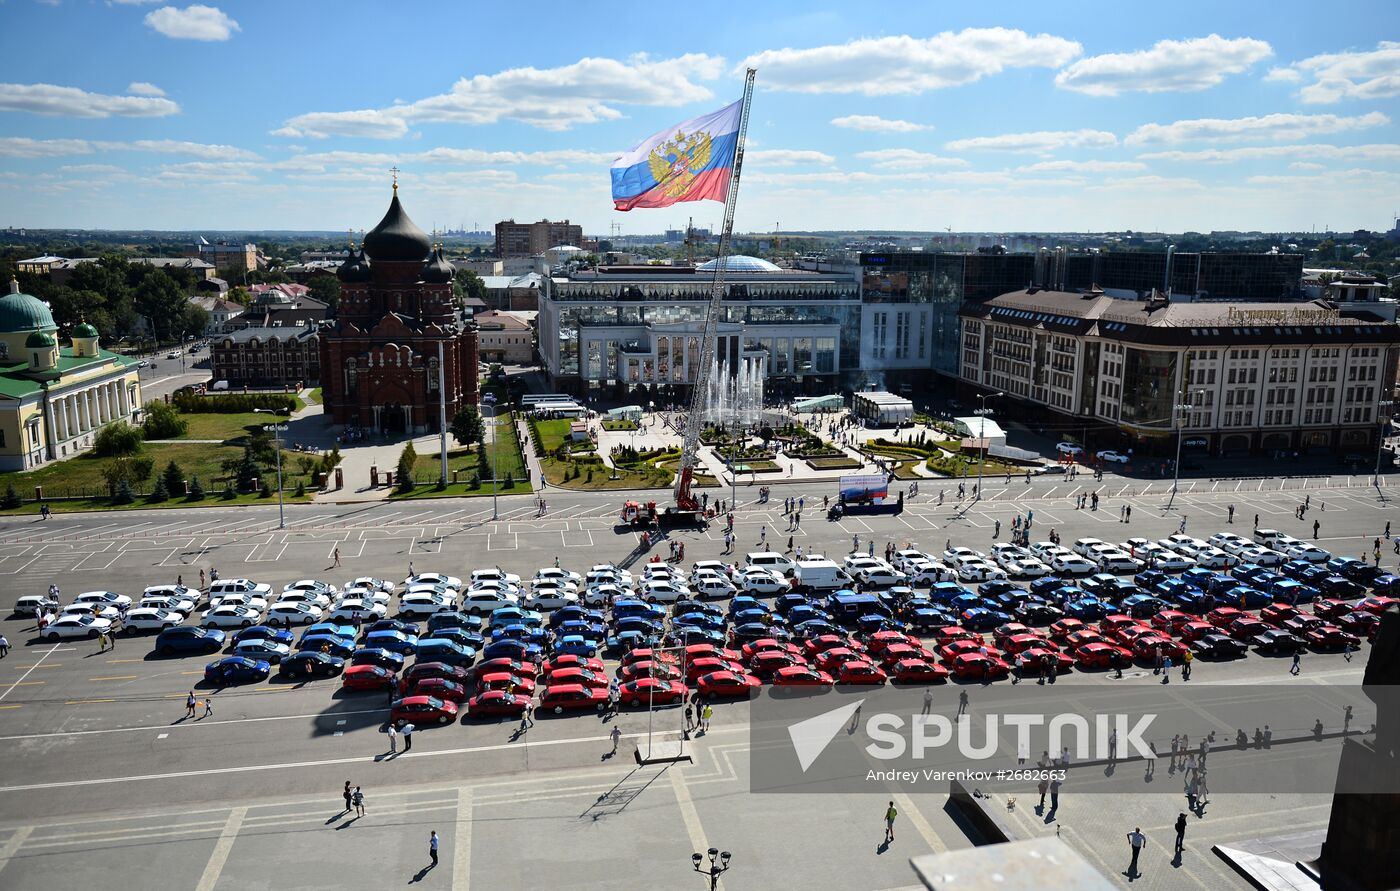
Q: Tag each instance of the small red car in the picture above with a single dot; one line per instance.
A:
(881, 639)
(899, 652)
(571, 661)
(1018, 643)
(1170, 620)
(1277, 614)
(949, 633)
(975, 665)
(652, 690)
(769, 644)
(764, 664)
(1246, 628)
(436, 670)
(1082, 638)
(1360, 623)
(830, 659)
(1331, 637)
(1224, 616)
(1028, 662)
(439, 687)
(696, 668)
(1147, 645)
(801, 676)
(366, 677)
(1302, 623)
(646, 668)
(574, 698)
(860, 671)
(568, 676)
(951, 651)
(917, 671)
(710, 651)
(1010, 629)
(1329, 608)
(1114, 626)
(1101, 654)
(1062, 629)
(728, 684)
(505, 681)
(1377, 605)
(825, 642)
(509, 666)
(496, 702)
(1195, 630)
(647, 653)
(422, 709)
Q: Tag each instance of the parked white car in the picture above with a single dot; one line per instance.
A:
(106, 598)
(494, 573)
(1214, 558)
(1261, 556)
(762, 582)
(1072, 564)
(110, 613)
(479, 601)
(979, 571)
(437, 578)
(149, 619)
(368, 595)
(231, 616)
(1119, 562)
(928, 572)
(178, 591)
(553, 573)
(314, 586)
(1025, 568)
(1163, 558)
(1085, 546)
(350, 608)
(247, 600)
(293, 612)
(550, 598)
(302, 595)
(602, 593)
(426, 603)
(75, 626)
(1113, 457)
(662, 591)
(183, 606)
(1310, 553)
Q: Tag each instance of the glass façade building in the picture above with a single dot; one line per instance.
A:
(637, 329)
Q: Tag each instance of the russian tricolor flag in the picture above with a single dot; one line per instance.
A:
(690, 161)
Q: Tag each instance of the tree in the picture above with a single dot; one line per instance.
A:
(119, 438)
(160, 492)
(174, 479)
(468, 284)
(159, 299)
(163, 421)
(467, 427)
(194, 320)
(12, 498)
(325, 288)
(407, 459)
(240, 295)
(122, 494)
(248, 469)
(196, 490)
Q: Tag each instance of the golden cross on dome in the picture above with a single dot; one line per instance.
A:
(395, 171)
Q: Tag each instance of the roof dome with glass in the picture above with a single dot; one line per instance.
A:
(740, 263)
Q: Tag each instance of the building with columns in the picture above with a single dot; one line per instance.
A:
(54, 399)
(399, 346)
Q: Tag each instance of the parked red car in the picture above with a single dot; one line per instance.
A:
(1082, 638)
(801, 676)
(509, 682)
(571, 661)
(1330, 637)
(652, 690)
(881, 639)
(366, 677)
(1146, 646)
(728, 684)
(975, 665)
(1062, 629)
(647, 653)
(917, 671)
(573, 698)
(1171, 620)
(567, 676)
(1224, 616)
(496, 702)
(646, 668)
(1195, 630)
(825, 642)
(422, 710)
(1277, 614)
(860, 671)
(1101, 654)
(764, 644)
(439, 687)
(1028, 662)
(510, 666)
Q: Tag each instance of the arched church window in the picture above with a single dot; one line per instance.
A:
(351, 377)
(433, 375)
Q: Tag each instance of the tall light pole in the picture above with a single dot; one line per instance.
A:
(982, 435)
(276, 429)
(1384, 419)
(490, 399)
(719, 865)
(1179, 416)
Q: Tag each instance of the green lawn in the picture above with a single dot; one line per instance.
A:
(81, 479)
(620, 425)
(222, 427)
(315, 396)
(509, 462)
(211, 499)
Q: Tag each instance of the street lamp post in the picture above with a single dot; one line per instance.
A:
(719, 865)
(1179, 415)
(277, 436)
(490, 399)
(982, 435)
(1384, 418)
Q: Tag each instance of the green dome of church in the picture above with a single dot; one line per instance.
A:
(40, 340)
(23, 312)
(84, 330)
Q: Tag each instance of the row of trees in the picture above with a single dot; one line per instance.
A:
(115, 295)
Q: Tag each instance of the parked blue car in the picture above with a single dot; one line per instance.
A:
(333, 644)
(577, 645)
(386, 659)
(185, 639)
(236, 670)
(518, 650)
(264, 632)
(394, 641)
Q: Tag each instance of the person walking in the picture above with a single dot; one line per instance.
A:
(1186, 663)
(349, 798)
(1127, 513)
(189, 704)
(962, 702)
(1137, 841)
(928, 701)
(336, 554)
(890, 814)
(1181, 527)
(1316, 525)
(358, 798)
(616, 735)
(705, 714)
(407, 732)
(4, 646)
(433, 846)
(1297, 667)
(393, 739)
(208, 707)
(689, 717)
(1042, 788)
(762, 536)
(1055, 785)
(1231, 513)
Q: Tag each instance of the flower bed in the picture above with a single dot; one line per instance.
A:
(845, 462)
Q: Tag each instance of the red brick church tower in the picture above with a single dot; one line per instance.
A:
(379, 358)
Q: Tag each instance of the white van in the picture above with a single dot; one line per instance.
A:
(820, 574)
(769, 560)
(219, 385)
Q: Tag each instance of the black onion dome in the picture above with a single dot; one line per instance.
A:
(397, 237)
(355, 268)
(439, 270)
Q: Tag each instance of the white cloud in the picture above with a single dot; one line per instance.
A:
(141, 88)
(321, 162)
(880, 66)
(1039, 141)
(1270, 126)
(53, 100)
(192, 23)
(1369, 152)
(1083, 166)
(585, 92)
(1330, 179)
(25, 147)
(787, 157)
(92, 168)
(1306, 165)
(871, 123)
(1149, 182)
(226, 171)
(908, 159)
(1364, 74)
(1169, 66)
(133, 2)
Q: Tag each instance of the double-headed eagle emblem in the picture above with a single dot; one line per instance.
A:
(675, 163)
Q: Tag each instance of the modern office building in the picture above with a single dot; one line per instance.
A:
(1228, 277)
(1255, 377)
(527, 239)
(630, 328)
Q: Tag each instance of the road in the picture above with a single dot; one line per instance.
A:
(105, 781)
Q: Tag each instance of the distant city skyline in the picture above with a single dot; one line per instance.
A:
(129, 115)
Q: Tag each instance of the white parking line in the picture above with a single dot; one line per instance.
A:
(11, 688)
(462, 843)
(219, 856)
(59, 734)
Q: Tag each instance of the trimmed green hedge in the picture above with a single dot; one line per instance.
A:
(842, 463)
(233, 403)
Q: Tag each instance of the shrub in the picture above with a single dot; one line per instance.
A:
(196, 490)
(160, 492)
(123, 494)
(404, 474)
(301, 489)
(231, 403)
(174, 479)
(11, 499)
(163, 421)
(117, 439)
(228, 494)
(265, 491)
(475, 481)
(510, 480)
(248, 470)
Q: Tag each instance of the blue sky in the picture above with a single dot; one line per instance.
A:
(902, 115)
